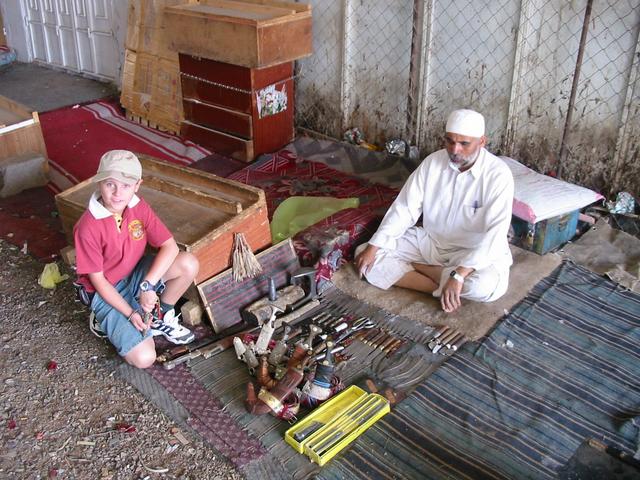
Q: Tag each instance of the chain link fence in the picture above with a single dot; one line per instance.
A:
(556, 80)
(573, 87)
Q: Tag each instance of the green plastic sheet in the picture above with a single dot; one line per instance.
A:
(297, 213)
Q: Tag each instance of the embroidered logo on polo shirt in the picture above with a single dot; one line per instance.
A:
(136, 230)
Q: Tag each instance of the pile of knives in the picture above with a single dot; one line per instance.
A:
(446, 341)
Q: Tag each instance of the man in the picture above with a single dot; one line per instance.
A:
(464, 194)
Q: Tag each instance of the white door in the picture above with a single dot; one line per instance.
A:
(35, 30)
(50, 26)
(103, 40)
(83, 37)
(66, 33)
(76, 35)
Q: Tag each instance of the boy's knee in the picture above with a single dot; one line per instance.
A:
(144, 362)
(143, 355)
(188, 263)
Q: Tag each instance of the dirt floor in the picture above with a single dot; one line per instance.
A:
(64, 412)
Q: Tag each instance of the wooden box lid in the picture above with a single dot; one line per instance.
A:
(249, 33)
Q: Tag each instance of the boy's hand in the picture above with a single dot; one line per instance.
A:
(138, 321)
(147, 300)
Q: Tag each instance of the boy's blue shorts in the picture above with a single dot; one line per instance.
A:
(120, 331)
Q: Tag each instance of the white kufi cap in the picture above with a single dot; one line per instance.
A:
(466, 122)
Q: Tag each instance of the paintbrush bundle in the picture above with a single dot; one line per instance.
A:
(244, 263)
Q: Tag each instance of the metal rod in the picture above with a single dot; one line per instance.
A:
(574, 88)
(415, 72)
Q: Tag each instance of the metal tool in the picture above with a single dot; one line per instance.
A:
(314, 331)
(442, 341)
(347, 423)
(334, 350)
(432, 341)
(454, 346)
(372, 333)
(395, 346)
(450, 342)
(298, 277)
(362, 323)
(387, 343)
(362, 404)
(378, 337)
(307, 431)
(280, 348)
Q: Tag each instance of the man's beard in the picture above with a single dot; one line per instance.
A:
(461, 161)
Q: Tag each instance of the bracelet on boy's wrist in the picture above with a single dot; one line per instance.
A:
(133, 313)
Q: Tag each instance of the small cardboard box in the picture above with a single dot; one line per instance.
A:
(545, 235)
(202, 210)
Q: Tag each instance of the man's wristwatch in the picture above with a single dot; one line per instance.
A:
(456, 276)
(147, 286)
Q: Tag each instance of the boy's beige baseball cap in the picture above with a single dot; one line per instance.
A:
(121, 165)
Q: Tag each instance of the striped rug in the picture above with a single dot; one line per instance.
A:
(76, 137)
(562, 367)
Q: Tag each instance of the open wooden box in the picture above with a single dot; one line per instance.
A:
(20, 131)
(202, 210)
(248, 33)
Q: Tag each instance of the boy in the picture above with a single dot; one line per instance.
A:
(120, 282)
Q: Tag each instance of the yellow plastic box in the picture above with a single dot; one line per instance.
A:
(340, 421)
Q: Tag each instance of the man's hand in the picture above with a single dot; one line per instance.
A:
(450, 297)
(147, 300)
(366, 258)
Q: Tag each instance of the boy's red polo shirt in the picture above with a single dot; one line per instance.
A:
(100, 247)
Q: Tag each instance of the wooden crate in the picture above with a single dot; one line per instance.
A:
(146, 32)
(128, 79)
(244, 33)
(202, 210)
(221, 111)
(151, 90)
(166, 95)
(20, 131)
(150, 77)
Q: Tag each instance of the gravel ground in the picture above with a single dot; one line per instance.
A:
(64, 412)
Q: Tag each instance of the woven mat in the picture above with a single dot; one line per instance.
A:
(562, 367)
(226, 378)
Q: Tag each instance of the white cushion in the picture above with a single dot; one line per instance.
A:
(538, 197)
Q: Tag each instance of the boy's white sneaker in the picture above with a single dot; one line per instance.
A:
(169, 327)
(95, 327)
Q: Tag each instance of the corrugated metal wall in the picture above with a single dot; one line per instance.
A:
(395, 69)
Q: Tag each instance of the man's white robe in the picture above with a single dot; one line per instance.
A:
(465, 222)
